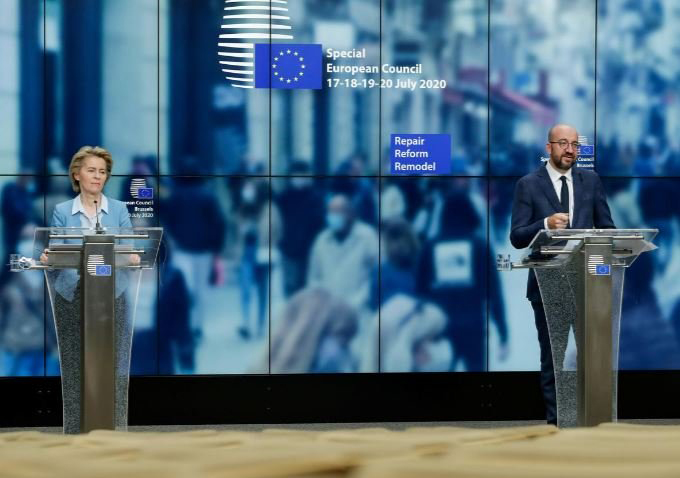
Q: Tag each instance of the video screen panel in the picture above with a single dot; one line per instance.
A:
(251, 184)
(434, 275)
(541, 72)
(22, 84)
(650, 314)
(637, 102)
(520, 350)
(210, 121)
(433, 84)
(215, 278)
(324, 271)
(23, 341)
(323, 112)
(101, 82)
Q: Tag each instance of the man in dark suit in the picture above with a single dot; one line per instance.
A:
(555, 197)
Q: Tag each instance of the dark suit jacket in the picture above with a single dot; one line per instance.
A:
(535, 199)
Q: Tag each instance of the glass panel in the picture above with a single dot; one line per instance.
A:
(548, 247)
(69, 342)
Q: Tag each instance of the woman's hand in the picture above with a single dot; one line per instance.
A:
(43, 256)
(135, 259)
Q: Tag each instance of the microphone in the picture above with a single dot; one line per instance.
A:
(98, 227)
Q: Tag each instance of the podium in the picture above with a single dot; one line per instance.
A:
(580, 274)
(93, 279)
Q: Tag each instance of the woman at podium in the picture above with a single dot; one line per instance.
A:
(89, 213)
(89, 171)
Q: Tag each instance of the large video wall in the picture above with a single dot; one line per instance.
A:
(290, 244)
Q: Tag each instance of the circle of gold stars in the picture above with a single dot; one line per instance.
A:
(295, 55)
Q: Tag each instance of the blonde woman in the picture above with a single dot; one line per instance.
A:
(89, 171)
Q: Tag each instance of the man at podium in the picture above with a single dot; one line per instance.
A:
(555, 196)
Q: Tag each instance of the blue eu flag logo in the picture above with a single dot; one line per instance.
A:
(145, 193)
(288, 66)
(102, 270)
(602, 270)
(587, 150)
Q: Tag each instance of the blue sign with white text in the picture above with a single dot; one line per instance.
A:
(417, 154)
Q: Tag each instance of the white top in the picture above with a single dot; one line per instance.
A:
(345, 268)
(555, 176)
(89, 222)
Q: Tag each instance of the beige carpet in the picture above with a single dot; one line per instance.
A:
(537, 451)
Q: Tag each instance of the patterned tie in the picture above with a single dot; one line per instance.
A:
(564, 195)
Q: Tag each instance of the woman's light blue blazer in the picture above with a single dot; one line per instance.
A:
(116, 215)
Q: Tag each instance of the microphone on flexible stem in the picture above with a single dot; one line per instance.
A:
(98, 227)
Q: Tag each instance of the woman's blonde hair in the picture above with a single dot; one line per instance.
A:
(79, 157)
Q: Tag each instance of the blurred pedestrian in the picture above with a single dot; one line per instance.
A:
(345, 254)
(22, 344)
(194, 221)
(400, 258)
(257, 228)
(298, 231)
(411, 336)
(313, 334)
(453, 274)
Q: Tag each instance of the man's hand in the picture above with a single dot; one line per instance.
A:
(134, 259)
(43, 256)
(559, 220)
